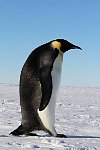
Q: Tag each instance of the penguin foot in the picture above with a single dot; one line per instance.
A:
(61, 136)
(31, 134)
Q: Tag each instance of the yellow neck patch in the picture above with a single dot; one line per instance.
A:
(56, 44)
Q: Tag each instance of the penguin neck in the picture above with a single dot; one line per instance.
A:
(61, 53)
(58, 62)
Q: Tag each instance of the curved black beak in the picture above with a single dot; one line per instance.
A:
(75, 47)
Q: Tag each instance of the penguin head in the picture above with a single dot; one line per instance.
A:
(64, 45)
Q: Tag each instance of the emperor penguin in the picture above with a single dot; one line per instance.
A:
(39, 84)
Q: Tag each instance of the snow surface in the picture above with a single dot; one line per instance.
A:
(77, 116)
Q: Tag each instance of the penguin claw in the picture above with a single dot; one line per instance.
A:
(61, 136)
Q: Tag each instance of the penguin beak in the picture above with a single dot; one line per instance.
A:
(75, 47)
(71, 46)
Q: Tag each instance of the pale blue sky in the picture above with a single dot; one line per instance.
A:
(26, 24)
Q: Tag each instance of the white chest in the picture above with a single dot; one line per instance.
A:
(56, 73)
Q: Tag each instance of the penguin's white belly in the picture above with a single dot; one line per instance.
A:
(47, 116)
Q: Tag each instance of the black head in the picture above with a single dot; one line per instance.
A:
(64, 45)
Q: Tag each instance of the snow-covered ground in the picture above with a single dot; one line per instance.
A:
(77, 116)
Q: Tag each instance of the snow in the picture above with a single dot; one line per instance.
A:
(77, 116)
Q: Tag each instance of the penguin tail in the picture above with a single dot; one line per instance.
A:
(19, 131)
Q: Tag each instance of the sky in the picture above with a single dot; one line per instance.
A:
(26, 24)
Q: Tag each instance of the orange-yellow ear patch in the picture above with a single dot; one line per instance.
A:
(56, 44)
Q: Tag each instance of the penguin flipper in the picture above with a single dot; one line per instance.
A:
(61, 136)
(46, 84)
